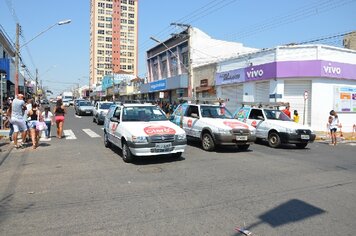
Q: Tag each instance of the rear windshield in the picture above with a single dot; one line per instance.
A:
(105, 105)
(84, 104)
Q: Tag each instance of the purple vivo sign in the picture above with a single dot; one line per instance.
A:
(289, 69)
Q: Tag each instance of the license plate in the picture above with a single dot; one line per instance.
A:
(303, 136)
(87, 111)
(163, 146)
(241, 138)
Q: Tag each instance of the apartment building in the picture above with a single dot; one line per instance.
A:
(113, 38)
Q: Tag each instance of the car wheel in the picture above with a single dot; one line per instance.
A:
(274, 140)
(107, 143)
(126, 153)
(301, 145)
(177, 155)
(243, 147)
(208, 142)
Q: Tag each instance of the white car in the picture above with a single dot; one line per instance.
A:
(275, 126)
(142, 130)
(213, 125)
(100, 111)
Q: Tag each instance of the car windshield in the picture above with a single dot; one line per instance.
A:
(84, 104)
(276, 115)
(105, 105)
(143, 113)
(215, 112)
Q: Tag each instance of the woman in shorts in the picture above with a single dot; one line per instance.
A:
(33, 117)
(59, 111)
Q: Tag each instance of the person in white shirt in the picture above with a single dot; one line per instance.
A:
(333, 125)
(49, 120)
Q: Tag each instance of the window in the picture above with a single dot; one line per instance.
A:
(130, 47)
(123, 8)
(101, 45)
(123, 21)
(108, 45)
(122, 67)
(108, 39)
(131, 2)
(123, 60)
(256, 114)
(108, 18)
(124, 14)
(109, 26)
(131, 22)
(101, 11)
(192, 110)
(101, 18)
(101, 4)
(124, 1)
(101, 25)
(163, 69)
(108, 53)
(174, 66)
(101, 32)
(131, 9)
(131, 15)
(108, 5)
(100, 38)
(101, 52)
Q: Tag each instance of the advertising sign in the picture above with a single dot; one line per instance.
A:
(345, 99)
(230, 77)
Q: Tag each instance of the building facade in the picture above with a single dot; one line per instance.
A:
(349, 41)
(314, 79)
(113, 38)
(174, 66)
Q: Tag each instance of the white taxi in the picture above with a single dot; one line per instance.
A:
(213, 125)
(142, 130)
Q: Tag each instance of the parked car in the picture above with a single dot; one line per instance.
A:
(84, 108)
(213, 125)
(100, 111)
(275, 126)
(76, 102)
(66, 102)
(142, 130)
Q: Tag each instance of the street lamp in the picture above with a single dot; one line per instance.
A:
(17, 54)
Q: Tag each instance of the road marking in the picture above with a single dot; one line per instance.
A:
(91, 133)
(68, 134)
(78, 116)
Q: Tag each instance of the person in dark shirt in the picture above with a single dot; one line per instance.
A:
(59, 111)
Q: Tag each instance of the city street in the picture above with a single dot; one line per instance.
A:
(76, 186)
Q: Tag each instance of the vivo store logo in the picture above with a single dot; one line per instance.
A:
(332, 69)
(254, 73)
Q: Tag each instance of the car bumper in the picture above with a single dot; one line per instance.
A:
(296, 138)
(86, 112)
(150, 150)
(232, 139)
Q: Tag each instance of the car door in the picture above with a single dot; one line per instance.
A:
(190, 120)
(256, 119)
(113, 129)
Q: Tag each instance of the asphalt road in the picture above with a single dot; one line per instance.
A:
(78, 187)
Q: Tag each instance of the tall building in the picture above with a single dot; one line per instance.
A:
(113, 38)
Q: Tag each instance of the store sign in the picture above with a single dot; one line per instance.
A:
(261, 72)
(158, 85)
(230, 77)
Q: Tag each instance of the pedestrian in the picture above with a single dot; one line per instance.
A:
(295, 116)
(59, 111)
(34, 117)
(17, 118)
(48, 119)
(333, 122)
(29, 103)
(8, 120)
(287, 111)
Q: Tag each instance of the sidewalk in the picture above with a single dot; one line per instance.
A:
(344, 138)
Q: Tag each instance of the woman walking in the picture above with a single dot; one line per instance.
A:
(59, 112)
(33, 117)
(48, 119)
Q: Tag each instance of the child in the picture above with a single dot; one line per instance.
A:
(296, 116)
(48, 119)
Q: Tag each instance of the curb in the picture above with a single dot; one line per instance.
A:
(5, 151)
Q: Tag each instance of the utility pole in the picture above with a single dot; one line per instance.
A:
(36, 86)
(17, 53)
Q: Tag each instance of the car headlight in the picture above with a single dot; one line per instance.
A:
(291, 131)
(139, 139)
(224, 131)
(253, 131)
(181, 136)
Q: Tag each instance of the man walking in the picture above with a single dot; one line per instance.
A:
(17, 118)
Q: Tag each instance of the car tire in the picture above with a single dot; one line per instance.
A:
(177, 155)
(274, 140)
(107, 143)
(301, 145)
(126, 153)
(243, 147)
(208, 143)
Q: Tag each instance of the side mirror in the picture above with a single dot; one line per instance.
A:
(195, 115)
(114, 119)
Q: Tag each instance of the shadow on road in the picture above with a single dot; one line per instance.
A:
(289, 212)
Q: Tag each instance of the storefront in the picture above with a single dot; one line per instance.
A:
(312, 86)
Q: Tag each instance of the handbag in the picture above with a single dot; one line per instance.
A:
(41, 125)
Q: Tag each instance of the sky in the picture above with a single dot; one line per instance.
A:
(61, 54)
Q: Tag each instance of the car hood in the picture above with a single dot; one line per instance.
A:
(153, 128)
(287, 124)
(227, 123)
